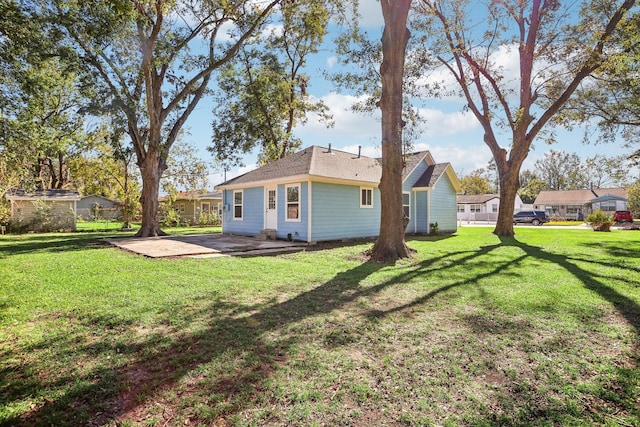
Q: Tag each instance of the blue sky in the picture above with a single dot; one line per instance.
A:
(450, 135)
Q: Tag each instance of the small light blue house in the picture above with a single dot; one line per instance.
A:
(320, 194)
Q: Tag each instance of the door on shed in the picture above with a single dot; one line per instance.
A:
(271, 208)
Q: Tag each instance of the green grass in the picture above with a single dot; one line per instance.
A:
(475, 330)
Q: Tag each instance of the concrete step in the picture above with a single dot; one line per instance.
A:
(267, 234)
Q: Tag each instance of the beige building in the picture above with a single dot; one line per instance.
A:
(191, 205)
(577, 204)
(43, 210)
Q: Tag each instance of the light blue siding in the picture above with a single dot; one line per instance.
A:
(408, 183)
(298, 230)
(443, 205)
(421, 212)
(252, 216)
(337, 213)
(418, 208)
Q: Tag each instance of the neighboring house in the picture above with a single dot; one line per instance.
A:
(577, 204)
(482, 207)
(320, 194)
(191, 205)
(95, 207)
(43, 210)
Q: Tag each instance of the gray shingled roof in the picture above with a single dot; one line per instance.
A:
(431, 175)
(43, 194)
(475, 198)
(575, 197)
(318, 161)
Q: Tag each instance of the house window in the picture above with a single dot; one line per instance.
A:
(366, 197)
(237, 205)
(461, 208)
(609, 206)
(476, 208)
(181, 208)
(494, 208)
(205, 208)
(293, 202)
(406, 204)
(573, 209)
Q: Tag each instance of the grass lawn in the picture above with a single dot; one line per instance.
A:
(537, 330)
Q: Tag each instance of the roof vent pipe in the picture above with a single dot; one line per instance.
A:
(359, 150)
(329, 151)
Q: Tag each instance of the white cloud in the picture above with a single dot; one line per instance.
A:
(441, 123)
(331, 61)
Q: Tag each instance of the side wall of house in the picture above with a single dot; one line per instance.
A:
(443, 205)
(418, 201)
(297, 229)
(109, 210)
(421, 213)
(337, 213)
(44, 215)
(252, 221)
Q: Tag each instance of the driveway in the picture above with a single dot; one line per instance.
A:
(204, 246)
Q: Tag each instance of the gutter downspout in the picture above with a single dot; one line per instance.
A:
(429, 211)
(309, 210)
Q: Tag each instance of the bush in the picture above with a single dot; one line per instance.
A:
(599, 220)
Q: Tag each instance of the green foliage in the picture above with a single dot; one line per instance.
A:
(185, 170)
(5, 211)
(44, 128)
(599, 220)
(321, 338)
(633, 199)
(474, 184)
(529, 193)
(169, 216)
(562, 171)
(433, 229)
(263, 92)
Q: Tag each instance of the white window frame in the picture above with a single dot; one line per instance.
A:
(288, 203)
(369, 190)
(476, 208)
(407, 206)
(461, 207)
(241, 205)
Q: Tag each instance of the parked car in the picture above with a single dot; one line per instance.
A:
(533, 217)
(622, 216)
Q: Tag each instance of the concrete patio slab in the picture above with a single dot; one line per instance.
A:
(203, 246)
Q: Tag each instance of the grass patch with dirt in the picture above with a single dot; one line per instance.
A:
(541, 329)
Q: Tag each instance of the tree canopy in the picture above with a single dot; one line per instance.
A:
(557, 46)
(262, 93)
(151, 63)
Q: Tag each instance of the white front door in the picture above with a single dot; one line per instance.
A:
(271, 208)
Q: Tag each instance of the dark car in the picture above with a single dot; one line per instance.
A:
(622, 216)
(533, 217)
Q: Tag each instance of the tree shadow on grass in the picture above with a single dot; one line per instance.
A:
(238, 340)
(162, 362)
(15, 245)
(619, 391)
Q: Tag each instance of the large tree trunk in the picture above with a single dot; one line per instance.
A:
(508, 189)
(151, 170)
(390, 244)
(509, 173)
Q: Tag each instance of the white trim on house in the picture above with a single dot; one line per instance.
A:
(233, 205)
(310, 211)
(369, 191)
(298, 218)
(299, 178)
